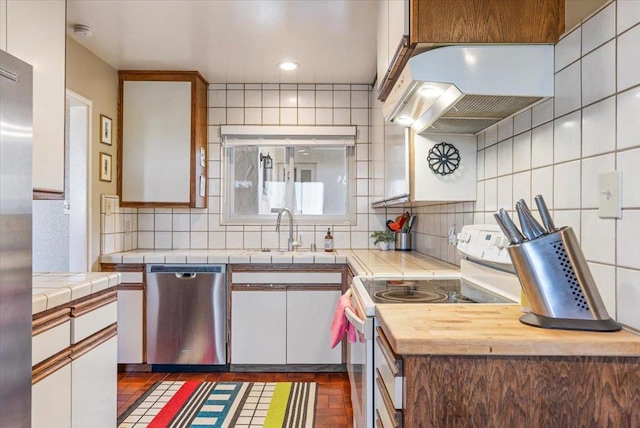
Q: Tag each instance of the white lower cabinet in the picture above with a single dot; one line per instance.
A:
(282, 326)
(309, 316)
(93, 402)
(130, 330)
(51, 400)
(259, 327)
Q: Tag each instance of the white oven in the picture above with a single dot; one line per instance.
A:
(360, 364)
(485, 277)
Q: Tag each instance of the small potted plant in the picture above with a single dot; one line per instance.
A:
(383, 238)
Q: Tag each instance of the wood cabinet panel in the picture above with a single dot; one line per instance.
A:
(486, 21)
(522, 391)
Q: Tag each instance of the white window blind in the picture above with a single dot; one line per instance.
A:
(290, 136)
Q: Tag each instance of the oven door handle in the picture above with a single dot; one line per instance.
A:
(364, 327)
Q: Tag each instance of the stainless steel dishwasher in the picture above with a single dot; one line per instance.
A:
(186, 314)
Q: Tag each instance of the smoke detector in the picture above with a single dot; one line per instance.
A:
(82, 30)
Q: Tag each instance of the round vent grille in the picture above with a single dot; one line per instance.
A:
(443, 158)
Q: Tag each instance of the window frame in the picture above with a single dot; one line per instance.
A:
(288, 138)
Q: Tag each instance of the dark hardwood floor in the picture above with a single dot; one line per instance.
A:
(333, 408)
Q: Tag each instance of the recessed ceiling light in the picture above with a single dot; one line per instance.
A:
(288, 65)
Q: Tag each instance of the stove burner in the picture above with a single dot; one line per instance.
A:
(460, 298)
(409, 295)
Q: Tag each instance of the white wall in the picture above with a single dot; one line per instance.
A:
(559, 147)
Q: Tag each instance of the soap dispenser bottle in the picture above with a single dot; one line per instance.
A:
(328, 241)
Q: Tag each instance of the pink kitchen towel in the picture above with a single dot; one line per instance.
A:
(341, 324)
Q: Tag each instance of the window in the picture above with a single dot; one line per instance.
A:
(306, 169)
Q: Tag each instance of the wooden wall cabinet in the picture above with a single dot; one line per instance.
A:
(34, 31)
(432, 23)
(162, 139)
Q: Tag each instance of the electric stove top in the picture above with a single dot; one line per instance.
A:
(458, 290)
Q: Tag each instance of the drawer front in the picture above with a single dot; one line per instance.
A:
(390, 371)
(386, 415)
(287, 277)
(131, 277)
(50, 342)
(94, 321)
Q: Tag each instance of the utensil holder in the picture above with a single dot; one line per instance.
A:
(403, 241)
(556, 279)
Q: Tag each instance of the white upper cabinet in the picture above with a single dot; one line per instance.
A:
(157, 130)
(163, 139)
(393, 24)
(35, 33)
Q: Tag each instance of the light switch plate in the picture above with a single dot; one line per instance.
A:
(108, 209)
(609, 195)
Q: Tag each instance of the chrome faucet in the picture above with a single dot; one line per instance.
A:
(291, 244)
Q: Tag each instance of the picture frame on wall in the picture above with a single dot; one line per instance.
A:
(106, 129)
(105, 167)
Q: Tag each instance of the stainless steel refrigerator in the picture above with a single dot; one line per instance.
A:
(16, 140)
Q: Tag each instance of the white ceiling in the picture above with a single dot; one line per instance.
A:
(234, 41)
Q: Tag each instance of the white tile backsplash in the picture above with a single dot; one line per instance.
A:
(567, 90)
(505, 157)
(629, 59)
(628, 162)
(522, 151)
(628, 238)
(598, 237)
(542, 184)
(628, 112)
(568, 49)
(628, 297)
(542, 145)
(599, 73)
(599, 29)
(628, 14)
(491, 162)
(566, 185)
(598, 127)
(566, 139)
(605, 279)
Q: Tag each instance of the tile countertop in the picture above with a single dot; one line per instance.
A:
(362, 262)
(51, 289)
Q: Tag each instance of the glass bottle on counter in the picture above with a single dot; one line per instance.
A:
(328, 241)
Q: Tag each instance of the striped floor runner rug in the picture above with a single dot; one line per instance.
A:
(177, 404)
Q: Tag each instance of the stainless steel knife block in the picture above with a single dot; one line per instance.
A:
(556, 279)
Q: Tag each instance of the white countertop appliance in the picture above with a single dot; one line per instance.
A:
(486, 276)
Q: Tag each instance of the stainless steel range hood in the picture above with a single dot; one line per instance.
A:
(465, 89)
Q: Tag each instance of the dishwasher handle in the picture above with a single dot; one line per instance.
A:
(186, 275)
(186, 269)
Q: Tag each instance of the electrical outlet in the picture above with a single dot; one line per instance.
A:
(452, 238)
(127, 226)
(609, 195)
(66, 208)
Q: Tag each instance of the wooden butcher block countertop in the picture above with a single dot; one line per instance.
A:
(477, 329)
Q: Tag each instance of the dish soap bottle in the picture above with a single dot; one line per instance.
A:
(328, 241)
